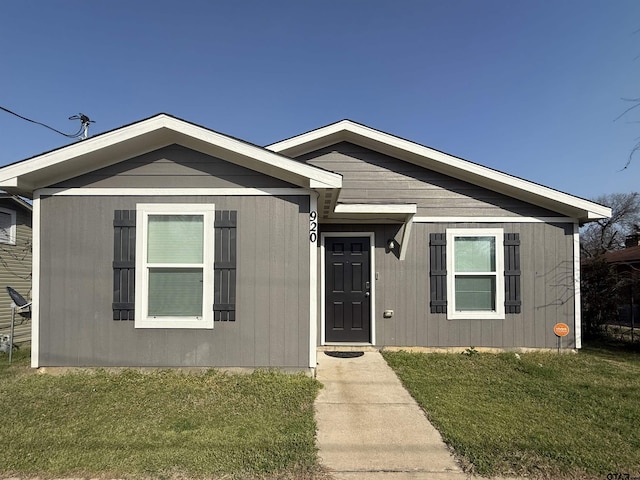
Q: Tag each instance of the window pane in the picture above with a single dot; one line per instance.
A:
(5, 227)
(175, 292)
(475, 254)
(175, 238)
(476, 293)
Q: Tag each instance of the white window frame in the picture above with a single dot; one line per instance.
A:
(452, 234)
(12, 228)
(142, 318)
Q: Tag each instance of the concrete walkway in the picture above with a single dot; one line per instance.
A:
(370, 427)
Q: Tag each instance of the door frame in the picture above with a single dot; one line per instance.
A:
(372, 269)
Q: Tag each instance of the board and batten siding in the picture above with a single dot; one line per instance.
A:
(181, 166)
(547, 285)
(271, 328)
(15, 272)
(372, 177)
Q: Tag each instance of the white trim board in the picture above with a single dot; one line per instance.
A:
(371, 208)
(35, 284)
(372, 275)
(577, 315)
(190, 192)
(418, 219)
(11, 234)
(313, 290)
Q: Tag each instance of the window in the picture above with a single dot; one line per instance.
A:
(174, 266)
(7, 226)
(475, 279)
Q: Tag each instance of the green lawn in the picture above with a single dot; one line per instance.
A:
(162, 425)
(542, 415)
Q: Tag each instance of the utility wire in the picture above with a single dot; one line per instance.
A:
(83, 118)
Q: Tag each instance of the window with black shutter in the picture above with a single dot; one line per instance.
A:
(224, 275)
(475, 273)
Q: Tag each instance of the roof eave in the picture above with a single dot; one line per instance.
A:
(25, 177)
(346, 130)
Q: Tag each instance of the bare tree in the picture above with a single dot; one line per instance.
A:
(609, 234)
(635, 104)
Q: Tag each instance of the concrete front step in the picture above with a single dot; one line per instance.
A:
(347, 348)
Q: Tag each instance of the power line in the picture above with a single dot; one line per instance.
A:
(84, 127)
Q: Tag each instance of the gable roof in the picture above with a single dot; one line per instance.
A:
(17, 201)
(26, 176)
(426, 157)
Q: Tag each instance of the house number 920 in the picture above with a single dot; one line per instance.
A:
(313, 226)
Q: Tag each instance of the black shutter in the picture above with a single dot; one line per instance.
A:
(224, 295)
(438, 272)
(124, 262)
(512, 294)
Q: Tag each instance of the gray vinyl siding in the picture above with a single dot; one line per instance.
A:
(372, 177)
(183, 166)
(273, 280)
(546, 255)
(15, 271)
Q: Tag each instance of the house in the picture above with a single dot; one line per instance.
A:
(164, 243)
(15, 262)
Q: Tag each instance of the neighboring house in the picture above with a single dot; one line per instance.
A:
(15, 261)
(163, 243)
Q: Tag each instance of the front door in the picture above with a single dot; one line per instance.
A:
(347, 289)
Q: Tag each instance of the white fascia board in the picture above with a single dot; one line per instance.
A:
(433, 159)
(78, 149)
(9, 183)
(310, 137)
(337, 183)
(371, 208)
(604, 212)
(314, 174)
(167, 127)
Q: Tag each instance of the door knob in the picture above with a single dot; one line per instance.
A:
(366, 294)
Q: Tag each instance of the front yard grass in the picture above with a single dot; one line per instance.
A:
(542, 415)
(163, 424)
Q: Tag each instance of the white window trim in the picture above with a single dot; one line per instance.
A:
(142, 318)
(452, 233)
(12, 229)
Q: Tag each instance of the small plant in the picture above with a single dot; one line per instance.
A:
(471, 351)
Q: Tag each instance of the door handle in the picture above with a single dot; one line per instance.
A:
(366, 294)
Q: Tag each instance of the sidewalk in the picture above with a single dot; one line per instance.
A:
(370, 427)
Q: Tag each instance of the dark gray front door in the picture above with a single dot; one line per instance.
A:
(347, 289)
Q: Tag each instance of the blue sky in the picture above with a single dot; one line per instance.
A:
(530, 88)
